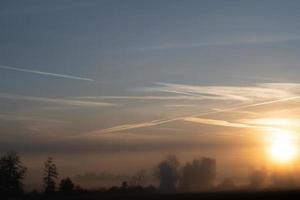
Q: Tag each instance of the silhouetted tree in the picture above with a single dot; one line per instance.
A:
(139, 179)
(283, 179)
(258, 178)
(226, 184)
(198, 175)
(12, 173)
(124, 185)
(66, 186)
(50, 175)
(168, 174)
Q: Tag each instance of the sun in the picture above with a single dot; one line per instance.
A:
(282, 147)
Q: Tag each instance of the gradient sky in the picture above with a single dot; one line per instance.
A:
(112, 81)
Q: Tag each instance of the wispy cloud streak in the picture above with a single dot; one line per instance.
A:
(239, 41)
(215, 122)
(174, 97)
(132, 126)
(238, 93)
(170, 91)
(46, 73)
(191, 118)
(28, 118)
(54, 100)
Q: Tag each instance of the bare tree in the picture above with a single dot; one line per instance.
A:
(198, 175)
(12, 173)
(168, 173)
(50, 175)
(258, 178)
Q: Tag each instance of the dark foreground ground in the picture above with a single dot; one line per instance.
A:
(272, 195)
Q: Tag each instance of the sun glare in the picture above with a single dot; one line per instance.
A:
(282, 147)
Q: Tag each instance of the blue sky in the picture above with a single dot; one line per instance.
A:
(124, 44)
(139, 76)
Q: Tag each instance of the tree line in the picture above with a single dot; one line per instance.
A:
(12, 174)
(197, 175)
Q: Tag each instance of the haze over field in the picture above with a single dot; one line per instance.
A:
(102, 85)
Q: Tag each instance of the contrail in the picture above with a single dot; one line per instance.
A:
(46, 73)
(242, 41)
(54, 100)
(28, 118)
(163, 121)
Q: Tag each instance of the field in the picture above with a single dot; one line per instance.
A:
(272, 195)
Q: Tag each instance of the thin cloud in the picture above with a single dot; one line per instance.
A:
(53, 100)
(257, 95)
(46, 73)
(180, 105)
(239, 41)
(258, 92)
(286, 123)
(264, 91)
(184, 118)
(28, 118)
(131, 126)
(215, 122)
(238, 111)
(174, 97)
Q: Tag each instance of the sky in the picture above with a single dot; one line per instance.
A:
(109, 82)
